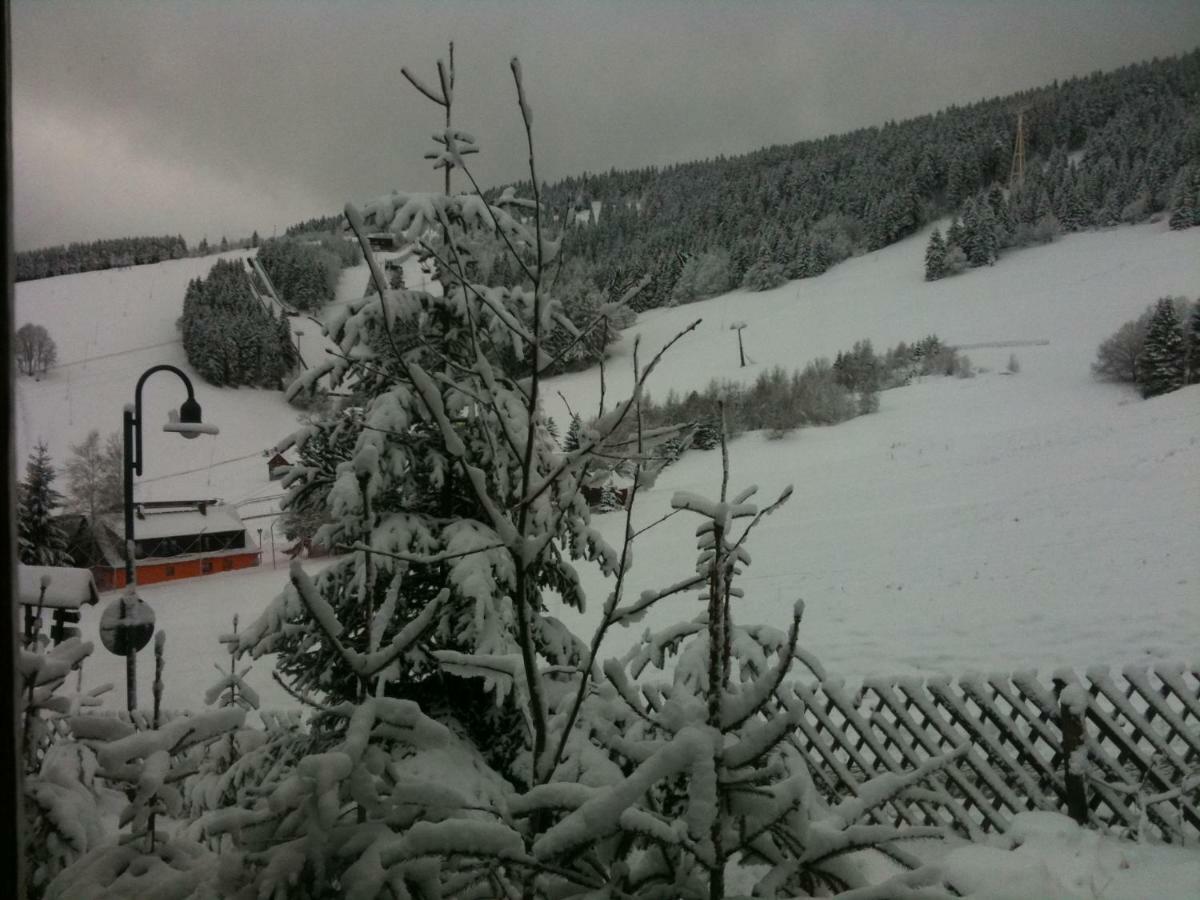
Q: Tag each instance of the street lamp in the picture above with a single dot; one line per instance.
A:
(187, 422)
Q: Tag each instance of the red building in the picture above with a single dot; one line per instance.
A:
(173, 539)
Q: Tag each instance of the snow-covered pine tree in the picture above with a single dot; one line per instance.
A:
(610, 500)
(935, 256)
(571, 441)
(1161, 365)
(218, 779)
(954, 234)
(451, 496)
(458, 511)
(41, 541)
(1185, 211)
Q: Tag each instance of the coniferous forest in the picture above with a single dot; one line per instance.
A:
(113, 253)
(1109, 148)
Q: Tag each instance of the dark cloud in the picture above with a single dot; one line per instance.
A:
(211, 117)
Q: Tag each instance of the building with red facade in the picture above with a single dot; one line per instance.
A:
(173, 539)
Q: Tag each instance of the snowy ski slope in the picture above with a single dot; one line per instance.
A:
(1000, 522)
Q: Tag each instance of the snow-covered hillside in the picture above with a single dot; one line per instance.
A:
(999, 522)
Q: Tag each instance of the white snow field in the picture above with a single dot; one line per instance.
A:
(1000, 522)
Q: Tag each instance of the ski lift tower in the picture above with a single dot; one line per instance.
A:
(1016, 173)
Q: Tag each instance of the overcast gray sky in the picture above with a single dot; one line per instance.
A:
(211, 118)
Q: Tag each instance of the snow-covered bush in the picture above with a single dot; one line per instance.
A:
(62, 816)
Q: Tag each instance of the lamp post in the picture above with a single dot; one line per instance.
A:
(186, 423)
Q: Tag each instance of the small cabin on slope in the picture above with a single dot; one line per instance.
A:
(172, 539)
(277, 464)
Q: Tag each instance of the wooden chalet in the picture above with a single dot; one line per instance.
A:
(172, 539)
(383, 240)
(277, 465)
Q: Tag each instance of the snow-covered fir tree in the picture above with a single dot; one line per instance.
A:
(935, 256)
(1162, 363)
(1185, 211)
(41, 541)
(571, 441)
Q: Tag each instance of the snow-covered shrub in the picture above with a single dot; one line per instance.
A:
(62, 817)
(702, 276)
(763, 275)
(703, 774)
(150, 766)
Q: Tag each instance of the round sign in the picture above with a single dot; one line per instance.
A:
(126, 625)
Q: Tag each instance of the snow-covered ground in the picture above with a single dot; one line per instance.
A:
(999, 522)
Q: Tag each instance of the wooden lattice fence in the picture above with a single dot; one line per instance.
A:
(1135, 739)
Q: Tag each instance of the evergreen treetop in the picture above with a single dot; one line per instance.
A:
(41, 540)
(1162, 364)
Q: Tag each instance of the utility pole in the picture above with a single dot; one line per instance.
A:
(738, 326)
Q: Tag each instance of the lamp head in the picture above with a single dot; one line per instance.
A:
(188, 422)
(189, 411)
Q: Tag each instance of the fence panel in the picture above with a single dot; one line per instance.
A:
(1138, 766)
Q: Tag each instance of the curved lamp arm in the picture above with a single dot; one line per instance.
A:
(189, 424)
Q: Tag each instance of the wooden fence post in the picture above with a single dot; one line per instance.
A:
(1071, 710)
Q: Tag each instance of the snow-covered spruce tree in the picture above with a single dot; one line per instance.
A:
(458, 510)
(1185, 211)
(935, 256)
(219, 778)
(571, 441)
(444, 483)
(40, 539)
(1161, 364)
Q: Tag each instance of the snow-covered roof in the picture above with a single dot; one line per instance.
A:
(66, 588)
(183, 520)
